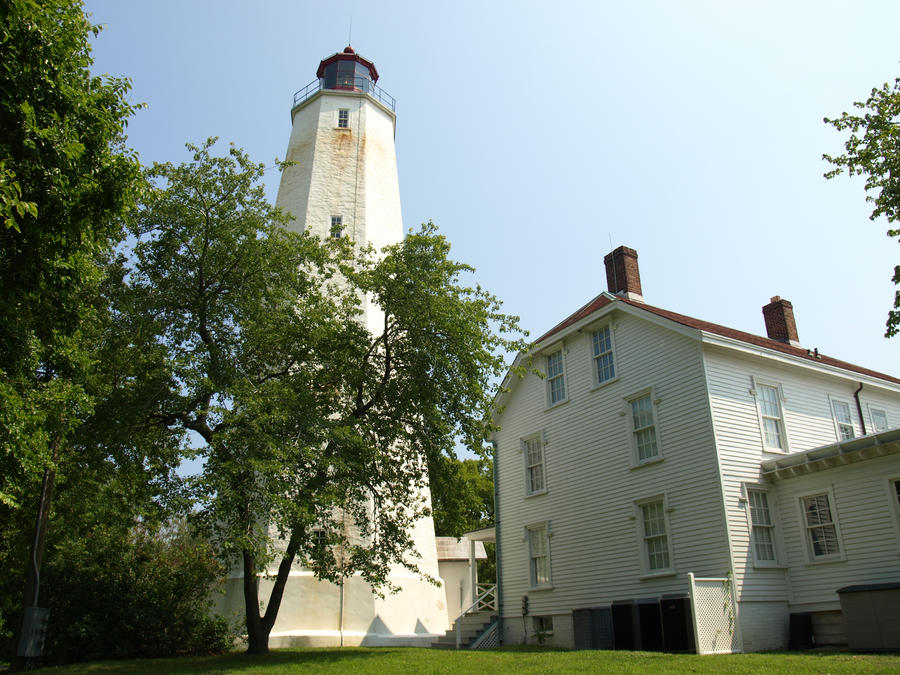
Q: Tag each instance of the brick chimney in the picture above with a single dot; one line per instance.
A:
(622, 274)
(780, 324)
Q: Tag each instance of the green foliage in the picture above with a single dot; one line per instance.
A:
(141, 593)
(873, 151)
(65, 178)
(462, 500)
(462, 496)
(309, 421)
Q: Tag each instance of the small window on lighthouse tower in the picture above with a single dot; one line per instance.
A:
(343, 118)
(337, 226)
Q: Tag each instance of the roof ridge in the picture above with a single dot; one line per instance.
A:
(605, 299)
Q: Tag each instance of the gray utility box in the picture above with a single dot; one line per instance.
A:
(871, 616)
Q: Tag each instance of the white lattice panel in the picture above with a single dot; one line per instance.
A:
(715, 616)
(490, 639)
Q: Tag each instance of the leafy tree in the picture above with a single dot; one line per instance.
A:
(133, 592)
(873, 151)
(309, 422)
(462, 496)
(65, 178)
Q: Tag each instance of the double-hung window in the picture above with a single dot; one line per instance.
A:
(556, 377)
(534, 465)
(538, 555)
(643, 428)
(343, 118)
(762, 533)
(879, 419)
(604, 367)
(843, 422)
(657, 556)
(771, 417)
(822, 534)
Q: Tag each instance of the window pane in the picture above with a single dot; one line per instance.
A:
(768, 401)
(879, 420)
(842, 412)
(554, 364)
(654, 521)
(536, 478)
(602, 341)
(605, 368)
(759, 508)
(817, 511)
(646, 443)
(762, 538)
(642, 411)
(822, 532)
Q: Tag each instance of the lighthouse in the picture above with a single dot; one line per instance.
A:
(342, 182)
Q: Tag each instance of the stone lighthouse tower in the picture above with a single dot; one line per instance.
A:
(343, 182)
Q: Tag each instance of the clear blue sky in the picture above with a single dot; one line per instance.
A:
(536, 133)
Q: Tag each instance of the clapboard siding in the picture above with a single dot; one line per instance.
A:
(808, 423)
(866, 517)
(591, 482)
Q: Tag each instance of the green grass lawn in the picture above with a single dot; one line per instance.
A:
(409, 660)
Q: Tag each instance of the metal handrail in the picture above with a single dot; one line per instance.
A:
(360, 84)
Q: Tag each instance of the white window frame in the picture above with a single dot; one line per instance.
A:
(883, 411)
(540, 438)
(541, 530)
(596, 358)
(840, 426)
(807, 529)
(559, 376)
(343, 118)
(633, 431)
(762, 417)
(643, 537)
(336, 231)
(753, 527)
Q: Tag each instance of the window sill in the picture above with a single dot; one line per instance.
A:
(658, 575)
(775, 451)
(538, 493)
(544, 587)
(605, 383)
(647, 462)
(769, 566)
(551, 406)
(826, 561)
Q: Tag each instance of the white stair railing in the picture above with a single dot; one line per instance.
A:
(486, 599)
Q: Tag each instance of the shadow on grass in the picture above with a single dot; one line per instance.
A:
(358, 658)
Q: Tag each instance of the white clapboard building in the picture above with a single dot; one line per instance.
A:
(674, 484)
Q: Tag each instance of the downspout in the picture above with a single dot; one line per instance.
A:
(859, 408)
(497, 548)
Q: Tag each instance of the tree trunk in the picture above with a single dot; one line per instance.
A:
(257, 634)
(259, 627)
(38, 546)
